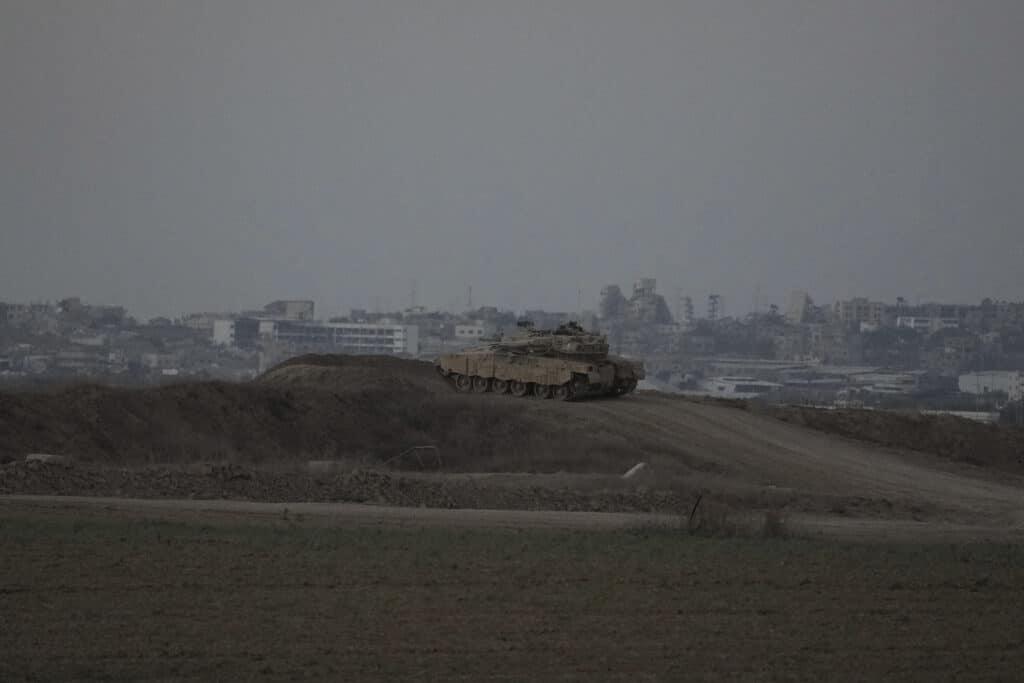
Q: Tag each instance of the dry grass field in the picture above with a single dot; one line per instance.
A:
(100, 595)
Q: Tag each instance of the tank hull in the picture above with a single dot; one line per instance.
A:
(521, 374)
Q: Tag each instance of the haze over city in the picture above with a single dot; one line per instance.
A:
(187, 156)
(575, 340)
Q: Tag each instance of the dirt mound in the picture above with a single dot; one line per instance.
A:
(336, 372)
(365, 412)
(946, 436)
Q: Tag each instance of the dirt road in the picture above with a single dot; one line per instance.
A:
(759, 450)
(333, 514)
(344, 515)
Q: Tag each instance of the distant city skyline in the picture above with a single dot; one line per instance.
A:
(189, 156)
(699, 305)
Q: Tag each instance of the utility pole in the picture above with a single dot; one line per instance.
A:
(1020, 398)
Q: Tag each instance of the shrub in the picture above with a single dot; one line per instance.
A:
(774, 525)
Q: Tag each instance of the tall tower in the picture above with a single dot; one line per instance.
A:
(683, 307)
(714, 306)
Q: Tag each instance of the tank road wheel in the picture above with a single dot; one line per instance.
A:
(541, 391)
(518, 388)
(481, 385)
(463, 383)
(562, 392)
(499, 386)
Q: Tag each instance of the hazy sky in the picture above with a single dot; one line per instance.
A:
(208, 155)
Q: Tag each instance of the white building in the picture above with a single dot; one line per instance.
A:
(926, 324)
(356, 338)
(204, 322)
(892, 383)
(349, 337)
(1010, 382)
(290, 309)
(476, 330)
(159, 361)
(798, 308)
(224, 332)
(859, 310)
(737, 387)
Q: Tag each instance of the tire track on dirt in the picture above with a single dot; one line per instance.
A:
(762, 450)
(875, 468)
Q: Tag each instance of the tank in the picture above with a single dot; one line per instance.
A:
(566, 364)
